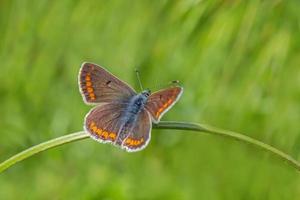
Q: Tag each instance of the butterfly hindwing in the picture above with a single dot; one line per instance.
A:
(97, 85)
(103, 122)
(161, 101)
(104, 125)
(139, 136)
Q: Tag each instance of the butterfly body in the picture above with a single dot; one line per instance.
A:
(131, 113)
(136, 104)
(122, 116)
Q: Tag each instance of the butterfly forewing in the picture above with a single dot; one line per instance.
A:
(139, 136)
(103, 122)
(100, 86)
(161, 101)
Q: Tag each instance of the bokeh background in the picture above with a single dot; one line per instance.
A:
(239, 62)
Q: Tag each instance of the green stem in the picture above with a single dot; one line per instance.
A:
(162, 125)
(42, 147)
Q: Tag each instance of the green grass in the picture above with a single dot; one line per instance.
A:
(238, 62)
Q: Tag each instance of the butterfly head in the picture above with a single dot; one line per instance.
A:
(146, 93)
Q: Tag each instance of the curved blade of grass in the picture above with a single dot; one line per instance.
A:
(162, 125)
(42, 147)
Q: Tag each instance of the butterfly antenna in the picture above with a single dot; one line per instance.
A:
(139, 79)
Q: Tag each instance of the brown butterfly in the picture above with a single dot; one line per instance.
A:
(122, 116)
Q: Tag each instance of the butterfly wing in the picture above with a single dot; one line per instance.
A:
(160, 102)
(97, 85)
(103, 122)
(140, 134)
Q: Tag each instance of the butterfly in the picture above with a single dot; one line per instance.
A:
(121, 116)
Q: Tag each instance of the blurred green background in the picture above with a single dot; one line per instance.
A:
(239, 62)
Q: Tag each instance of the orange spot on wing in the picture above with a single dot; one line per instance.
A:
(169, 102)
(90, 90)
(94, 129)
(99, 131)
(133, 142)
(112, 136)
(92, 124)
(88, 84)
(88, 77)
(128, 141)
(159, 111)
(105, 134)
(92, 96)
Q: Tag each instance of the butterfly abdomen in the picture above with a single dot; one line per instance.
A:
(134, 107)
